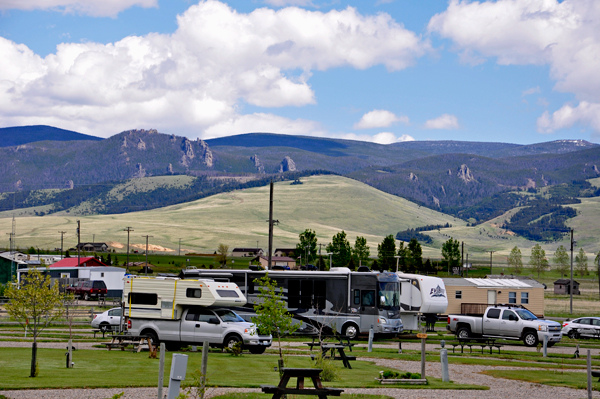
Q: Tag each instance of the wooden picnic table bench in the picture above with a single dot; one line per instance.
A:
(342, 340)
(99, 331)
(137, 341)
(470, 342)
(300, 373)
(342, 355)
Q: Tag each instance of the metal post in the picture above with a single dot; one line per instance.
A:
(444, 361)
(161, 370)
(70, 354)
(371, 334)
(589, 374)
(423, 351)
(178, 371)
(545, 346)
(571, 286)
(203, 368)
(62, 233)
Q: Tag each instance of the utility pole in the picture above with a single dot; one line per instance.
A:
(128, 230)
(179, 252)
(146, 268)
(13, 267)
(571, 286)
(78, 243)
(462, 257)
(491, 252)
(62, 233)
(271, 223)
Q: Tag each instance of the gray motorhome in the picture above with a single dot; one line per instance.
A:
(341, 300)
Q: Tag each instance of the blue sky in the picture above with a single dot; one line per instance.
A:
(385, 71)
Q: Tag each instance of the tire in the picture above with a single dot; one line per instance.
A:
(104, 327)
(257, 350)
(86, 297)
(463, 333)
(153, 337)
(573, 334)
(172, 346)
(530, 338)
(351, 331)
(231, 340)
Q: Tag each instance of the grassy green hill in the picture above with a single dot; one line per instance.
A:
(326, 204)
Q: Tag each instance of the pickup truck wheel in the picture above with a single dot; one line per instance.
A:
(257, 350)
(230, 341)
(530, 338)
(463, 333)
(86, 297)
(153, 337)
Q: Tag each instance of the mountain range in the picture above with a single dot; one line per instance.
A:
(475, 181)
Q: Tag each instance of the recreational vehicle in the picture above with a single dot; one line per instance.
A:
(421, 295)
(338, 300)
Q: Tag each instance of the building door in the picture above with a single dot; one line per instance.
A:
(491, 297)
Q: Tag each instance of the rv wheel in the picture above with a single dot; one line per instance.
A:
(350, 330)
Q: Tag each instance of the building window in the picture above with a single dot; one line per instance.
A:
(524, 297)
(458, 295)
(512, 297)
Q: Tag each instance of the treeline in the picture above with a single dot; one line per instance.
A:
(542, 221)
(409, 234)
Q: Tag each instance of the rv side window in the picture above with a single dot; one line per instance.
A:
(356, 300)
(142, 298)
(227, 294)
(293, 293)
(193, 293)
(320, 290)
(368, 297)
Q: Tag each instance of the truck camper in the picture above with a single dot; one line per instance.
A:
(421, 295)
(183, 312)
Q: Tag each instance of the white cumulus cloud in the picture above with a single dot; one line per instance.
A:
(444, 121)
(562, 34)
(379, 138)
(379, 118)
(531, 91)
(585, 113)
(95, 8)
(263, 123)
(199, 76)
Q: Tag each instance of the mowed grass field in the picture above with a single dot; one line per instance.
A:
(326, 204)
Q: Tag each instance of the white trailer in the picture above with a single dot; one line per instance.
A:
(421, 295)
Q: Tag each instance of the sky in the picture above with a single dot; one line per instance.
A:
(384, 71)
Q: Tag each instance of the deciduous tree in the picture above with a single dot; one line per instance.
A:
(538, 260)
(451, 252)
(581, 260)
(361, 250)
(34, 304)
(515, 260)
(307, 247)
(561, 261)
(222, 252)
(340, 248)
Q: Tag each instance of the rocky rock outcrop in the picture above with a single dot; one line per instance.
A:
(464, 173)
(170, 169)
(205, 153)
(139, 171)
(287, 165)
(257, 164)
(70, 184)
(141, 145)
(596, 170)
(412, 177)
(436, 201)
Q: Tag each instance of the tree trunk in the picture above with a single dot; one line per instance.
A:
(33, 359)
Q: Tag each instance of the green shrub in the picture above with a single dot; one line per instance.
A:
(330, 371)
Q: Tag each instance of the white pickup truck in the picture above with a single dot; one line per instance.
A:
(220, 327)
(507, 322)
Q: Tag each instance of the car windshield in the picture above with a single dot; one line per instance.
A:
(228, 316)
(525, 314)
(388, 295)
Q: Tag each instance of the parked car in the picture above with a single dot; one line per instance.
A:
(108, 320)
(88, 289)
(309, 267)
(582, 327)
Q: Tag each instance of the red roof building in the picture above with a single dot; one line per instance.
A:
(85, 261)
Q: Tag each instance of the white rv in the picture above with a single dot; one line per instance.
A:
(180, 312)
(421, 295)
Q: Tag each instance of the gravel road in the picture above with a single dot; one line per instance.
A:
(498, 388)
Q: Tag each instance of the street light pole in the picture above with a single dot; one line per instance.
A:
(397, 261)
(128, 230)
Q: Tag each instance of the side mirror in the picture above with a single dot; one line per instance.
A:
(213, 320)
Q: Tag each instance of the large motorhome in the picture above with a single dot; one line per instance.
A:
(341, 300)
(421, 295)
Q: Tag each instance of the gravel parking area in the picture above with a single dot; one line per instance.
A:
(465, 374)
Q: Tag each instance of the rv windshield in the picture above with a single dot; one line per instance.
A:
(389, 295)
(228, 316)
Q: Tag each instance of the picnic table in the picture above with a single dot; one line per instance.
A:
(137, 341)
(342, 355)
(300, 373)
(470, 342)
(320, 340)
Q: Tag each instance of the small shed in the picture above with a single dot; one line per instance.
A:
(285, 252)
(563, 287)
(9, 263)
(247, 252)
(277, 261)
(480, 292)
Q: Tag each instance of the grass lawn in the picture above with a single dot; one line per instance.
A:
(548, 377)
(103, 369)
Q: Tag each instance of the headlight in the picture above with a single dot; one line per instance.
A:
(251, 330)
(543, 327)
(382, 320)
